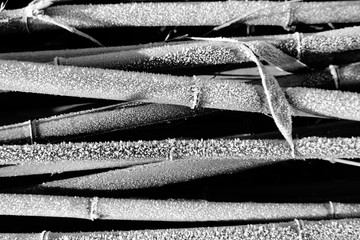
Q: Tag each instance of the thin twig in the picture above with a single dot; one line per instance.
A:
(3, 5)
(68, 28)
(343, 161)
(36, 9)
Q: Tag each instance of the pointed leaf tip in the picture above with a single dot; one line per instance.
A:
(279, 107)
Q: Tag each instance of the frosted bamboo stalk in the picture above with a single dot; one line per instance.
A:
(93, 122)
(187, 14)
(166, 89)
(49, 55)
(29, 169)
(168, 210)
(316, 50)
(307, 148)
(297, 229)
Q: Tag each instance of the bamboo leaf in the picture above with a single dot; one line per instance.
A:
(276, 57)
(249, 14)
(36, 9)
(279, 107)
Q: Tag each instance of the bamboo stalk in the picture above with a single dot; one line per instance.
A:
(65, 167)
(168, 210)
(166, 89)
(187, 14)
(307, 148)
(49, 55)
(316, 50)
(146, 176)
(93, 122)
(298, 229)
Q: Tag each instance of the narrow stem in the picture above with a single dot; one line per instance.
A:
(307, 148)
(316, 50)
(93, 122)
(49, 55)
(168, 210)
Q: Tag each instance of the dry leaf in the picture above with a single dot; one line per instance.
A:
(279, 107)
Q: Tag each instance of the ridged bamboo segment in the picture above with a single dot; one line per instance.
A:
(93, 122)
(168, 210)
(298, 229)
(187, 14)
(167, 89)
(307, 148)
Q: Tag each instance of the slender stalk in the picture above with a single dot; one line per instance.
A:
(316, 51)
(146, 87)
(146, 176)
(93, 122)
(49, 55)
(188, 14)
(168, 210)
(66, 167)
(307, 148)
(298, 229)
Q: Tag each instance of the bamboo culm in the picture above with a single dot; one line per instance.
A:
(297, 229)
(187, 91)
(49, 55)
(186, 14)
(92, 122)
(315, 50)
(238, 149)
(168, 210)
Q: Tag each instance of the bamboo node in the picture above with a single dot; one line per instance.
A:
(196, 94)
(299, 226)
(57, 61)
(291, 13)
(93, 208)
(31, 131)
(334, 70)
(44, 235)
(298, 37)
(332, 210)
